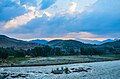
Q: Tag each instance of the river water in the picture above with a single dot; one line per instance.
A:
(98, 70)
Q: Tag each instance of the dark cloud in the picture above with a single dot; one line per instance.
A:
(10, 9)
(104, 18)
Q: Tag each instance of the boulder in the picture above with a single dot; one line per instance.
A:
(57, 71)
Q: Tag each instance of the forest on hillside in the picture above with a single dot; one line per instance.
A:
(46, 51)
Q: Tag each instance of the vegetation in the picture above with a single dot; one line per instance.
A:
(3, 53)
(21, 59)
(20, 49)
(46, 51)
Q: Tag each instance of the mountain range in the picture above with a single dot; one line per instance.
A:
(96, 41)
(81, 40)
(64, 44)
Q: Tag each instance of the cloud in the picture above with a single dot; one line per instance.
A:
(72, 7)
(89, 19)
(1, 24)
(48, 14)
(80, 35)
(28, 10)
(93, 39)
(23, 19)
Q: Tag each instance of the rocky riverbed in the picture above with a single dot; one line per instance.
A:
(96, 70)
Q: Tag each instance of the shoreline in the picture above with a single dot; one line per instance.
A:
(34, 65)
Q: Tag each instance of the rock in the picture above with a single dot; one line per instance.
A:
(19, 75)
(23, 75)
(15, 76)
(46, 73)
(88, 69)
(67, 71)
(72, 68)
(4, 74)
(57, 71)
(80, 69)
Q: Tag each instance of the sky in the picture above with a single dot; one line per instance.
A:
(60, 19)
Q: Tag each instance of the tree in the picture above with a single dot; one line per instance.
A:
(3, 53)
(19, 53)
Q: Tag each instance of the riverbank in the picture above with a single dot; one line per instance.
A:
(59, 60)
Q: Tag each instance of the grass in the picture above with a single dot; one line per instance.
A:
(111, 55)
(12, 58)
(21, 59)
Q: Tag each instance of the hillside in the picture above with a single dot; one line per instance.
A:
(37, 41)
(115, 44)
(63, 44)
(68, 44)
(17, 44)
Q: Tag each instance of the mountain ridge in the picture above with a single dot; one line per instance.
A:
(8, 42)
(39, 41)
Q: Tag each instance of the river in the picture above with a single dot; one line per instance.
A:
(97, 70)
